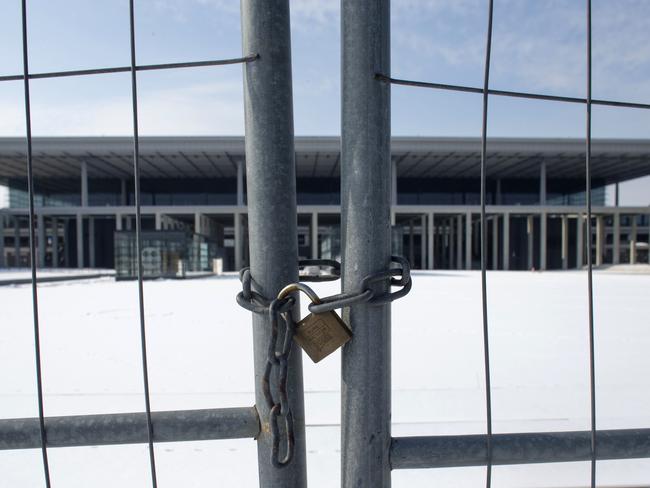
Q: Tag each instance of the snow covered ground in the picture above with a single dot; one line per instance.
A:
(200, 357)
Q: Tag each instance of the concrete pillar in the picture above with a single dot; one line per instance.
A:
(450, 241)
(543, 240)
(41, 241)
(459, 242)
(118, 221)
(423, 242)
(495, 242)
(129, 222)
(633, 241)
(159, 216)
(565, 242)
(616, 239)
(468, 241)
(123, 199)
(17, 241)
(411, 244)
(55, 242)
(314, 235)
(506, 241)
(600, 235)
(240, 182)
(80, 241)
(197, 224)
(238, 243)
(2, 242)
(84, 184)
(580, 241)
(67, 248)
(91, 242)
(431, 241)
(530, 235)
(542, 183)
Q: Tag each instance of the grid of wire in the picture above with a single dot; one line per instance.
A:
(485, 91)
(25, 77)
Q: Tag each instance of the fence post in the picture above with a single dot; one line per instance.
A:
(366, 236)
(271, 181)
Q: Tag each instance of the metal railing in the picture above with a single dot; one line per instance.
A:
(369, 452)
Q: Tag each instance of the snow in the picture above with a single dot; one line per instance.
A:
(200, 356)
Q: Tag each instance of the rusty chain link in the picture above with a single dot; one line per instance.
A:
(399, 274)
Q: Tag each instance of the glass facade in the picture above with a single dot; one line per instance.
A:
(165, 254)
(310, 191)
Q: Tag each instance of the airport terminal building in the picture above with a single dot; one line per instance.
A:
(194, 201)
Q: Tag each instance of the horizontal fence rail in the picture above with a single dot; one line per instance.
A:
(127, 69)
(131, 428)
(521, 448)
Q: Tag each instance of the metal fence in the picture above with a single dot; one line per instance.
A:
(369, 452)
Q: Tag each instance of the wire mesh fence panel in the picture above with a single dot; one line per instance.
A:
(369, 452)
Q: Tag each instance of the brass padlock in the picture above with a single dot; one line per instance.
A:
(318, 334)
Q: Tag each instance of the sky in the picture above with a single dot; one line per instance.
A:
(537, 46)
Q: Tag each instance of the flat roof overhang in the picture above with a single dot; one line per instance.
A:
(613, 160)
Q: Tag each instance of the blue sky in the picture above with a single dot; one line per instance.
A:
(538, 46)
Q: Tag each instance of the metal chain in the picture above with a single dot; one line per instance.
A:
(279, 360)
(280, 310)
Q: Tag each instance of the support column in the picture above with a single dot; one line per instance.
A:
(84, 184)
(600, 234)
(158, 222)
(616, 239)
(365, 218)
(118, 221)
(423, 241)
(67, 247)
(238, 241)
(459, 242)
(495, 242)
(55, 242)
(41, 240)
(431, 241)
(272, 214)
(530, 238)
(542, 183)
(450, 243)
(314, 235)
(506, 241)
(411, 244)
(80, 241)
(91, 242)
(580, 241)
(3, 262)
(468, 241)
(633, 241)
(565, 242)
(240, 182)
(543, 240)
(17, 241)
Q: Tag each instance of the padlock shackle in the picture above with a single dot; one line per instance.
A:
(311, 294)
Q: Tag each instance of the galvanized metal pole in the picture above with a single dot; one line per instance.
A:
(366, 235)
(271, 185)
